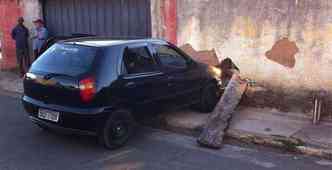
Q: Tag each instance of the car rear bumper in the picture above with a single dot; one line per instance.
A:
(72, 120)
(61, 129)
(82, 111)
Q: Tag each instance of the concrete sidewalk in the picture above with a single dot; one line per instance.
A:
(11, 82)
(264, 126)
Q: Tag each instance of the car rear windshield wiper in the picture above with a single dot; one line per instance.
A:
(51, 75)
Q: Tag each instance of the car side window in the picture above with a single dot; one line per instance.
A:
(170, 57)
(138, 60)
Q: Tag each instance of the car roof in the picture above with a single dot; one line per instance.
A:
(107, 42)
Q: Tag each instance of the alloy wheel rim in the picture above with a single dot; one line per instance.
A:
(119, 130)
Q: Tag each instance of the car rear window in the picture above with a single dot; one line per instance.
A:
(66, 59)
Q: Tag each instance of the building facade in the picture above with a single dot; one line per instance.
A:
(284, 45)
(10, 10)
(111, 18)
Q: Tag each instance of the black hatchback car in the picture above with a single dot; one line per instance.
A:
(94, 86)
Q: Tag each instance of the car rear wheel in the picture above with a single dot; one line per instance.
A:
(209, 98)
(117, 129)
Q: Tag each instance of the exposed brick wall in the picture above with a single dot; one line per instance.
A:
(206, 56)
(9, 12)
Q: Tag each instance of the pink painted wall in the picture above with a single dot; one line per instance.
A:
(9, 12)
(170, 17)
(281, 43)
(284, 45)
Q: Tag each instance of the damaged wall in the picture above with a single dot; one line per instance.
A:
(282, 44)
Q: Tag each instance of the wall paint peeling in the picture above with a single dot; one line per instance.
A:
(246, 30)
(283, 52)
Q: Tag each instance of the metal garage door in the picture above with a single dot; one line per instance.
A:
(114, 18)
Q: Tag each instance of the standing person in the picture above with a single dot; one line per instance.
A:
(39, 38)
(21, 34)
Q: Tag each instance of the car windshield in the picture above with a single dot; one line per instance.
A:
(65, 59)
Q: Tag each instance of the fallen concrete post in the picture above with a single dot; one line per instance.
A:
(214, 130)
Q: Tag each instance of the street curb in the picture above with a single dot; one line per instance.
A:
(285, 143)
(10, 82)
(323, 153)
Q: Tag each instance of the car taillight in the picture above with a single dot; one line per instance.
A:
(87, 89)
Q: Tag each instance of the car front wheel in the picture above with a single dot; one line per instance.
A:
(117, 129)
(209, 98)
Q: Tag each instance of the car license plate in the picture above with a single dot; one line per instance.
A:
(48, 115)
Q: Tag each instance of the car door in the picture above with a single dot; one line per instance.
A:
(142, 79)
(184, 79)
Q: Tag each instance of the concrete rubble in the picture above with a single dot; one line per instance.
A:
(214, 130)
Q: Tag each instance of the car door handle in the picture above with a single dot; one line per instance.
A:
(170, 78)
(130, 85)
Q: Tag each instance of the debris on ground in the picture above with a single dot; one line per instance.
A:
(214, 130)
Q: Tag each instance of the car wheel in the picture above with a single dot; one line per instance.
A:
(209, 98)
(117, 129)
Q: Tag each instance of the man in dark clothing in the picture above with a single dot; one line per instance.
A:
(21, 34)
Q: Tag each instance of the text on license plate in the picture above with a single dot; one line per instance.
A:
(48, 115)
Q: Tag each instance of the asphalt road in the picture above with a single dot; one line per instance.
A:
(24, 146)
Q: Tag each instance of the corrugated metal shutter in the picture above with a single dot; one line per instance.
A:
(113, 18)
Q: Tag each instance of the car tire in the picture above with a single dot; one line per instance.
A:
(117, 129)
(209, 98)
